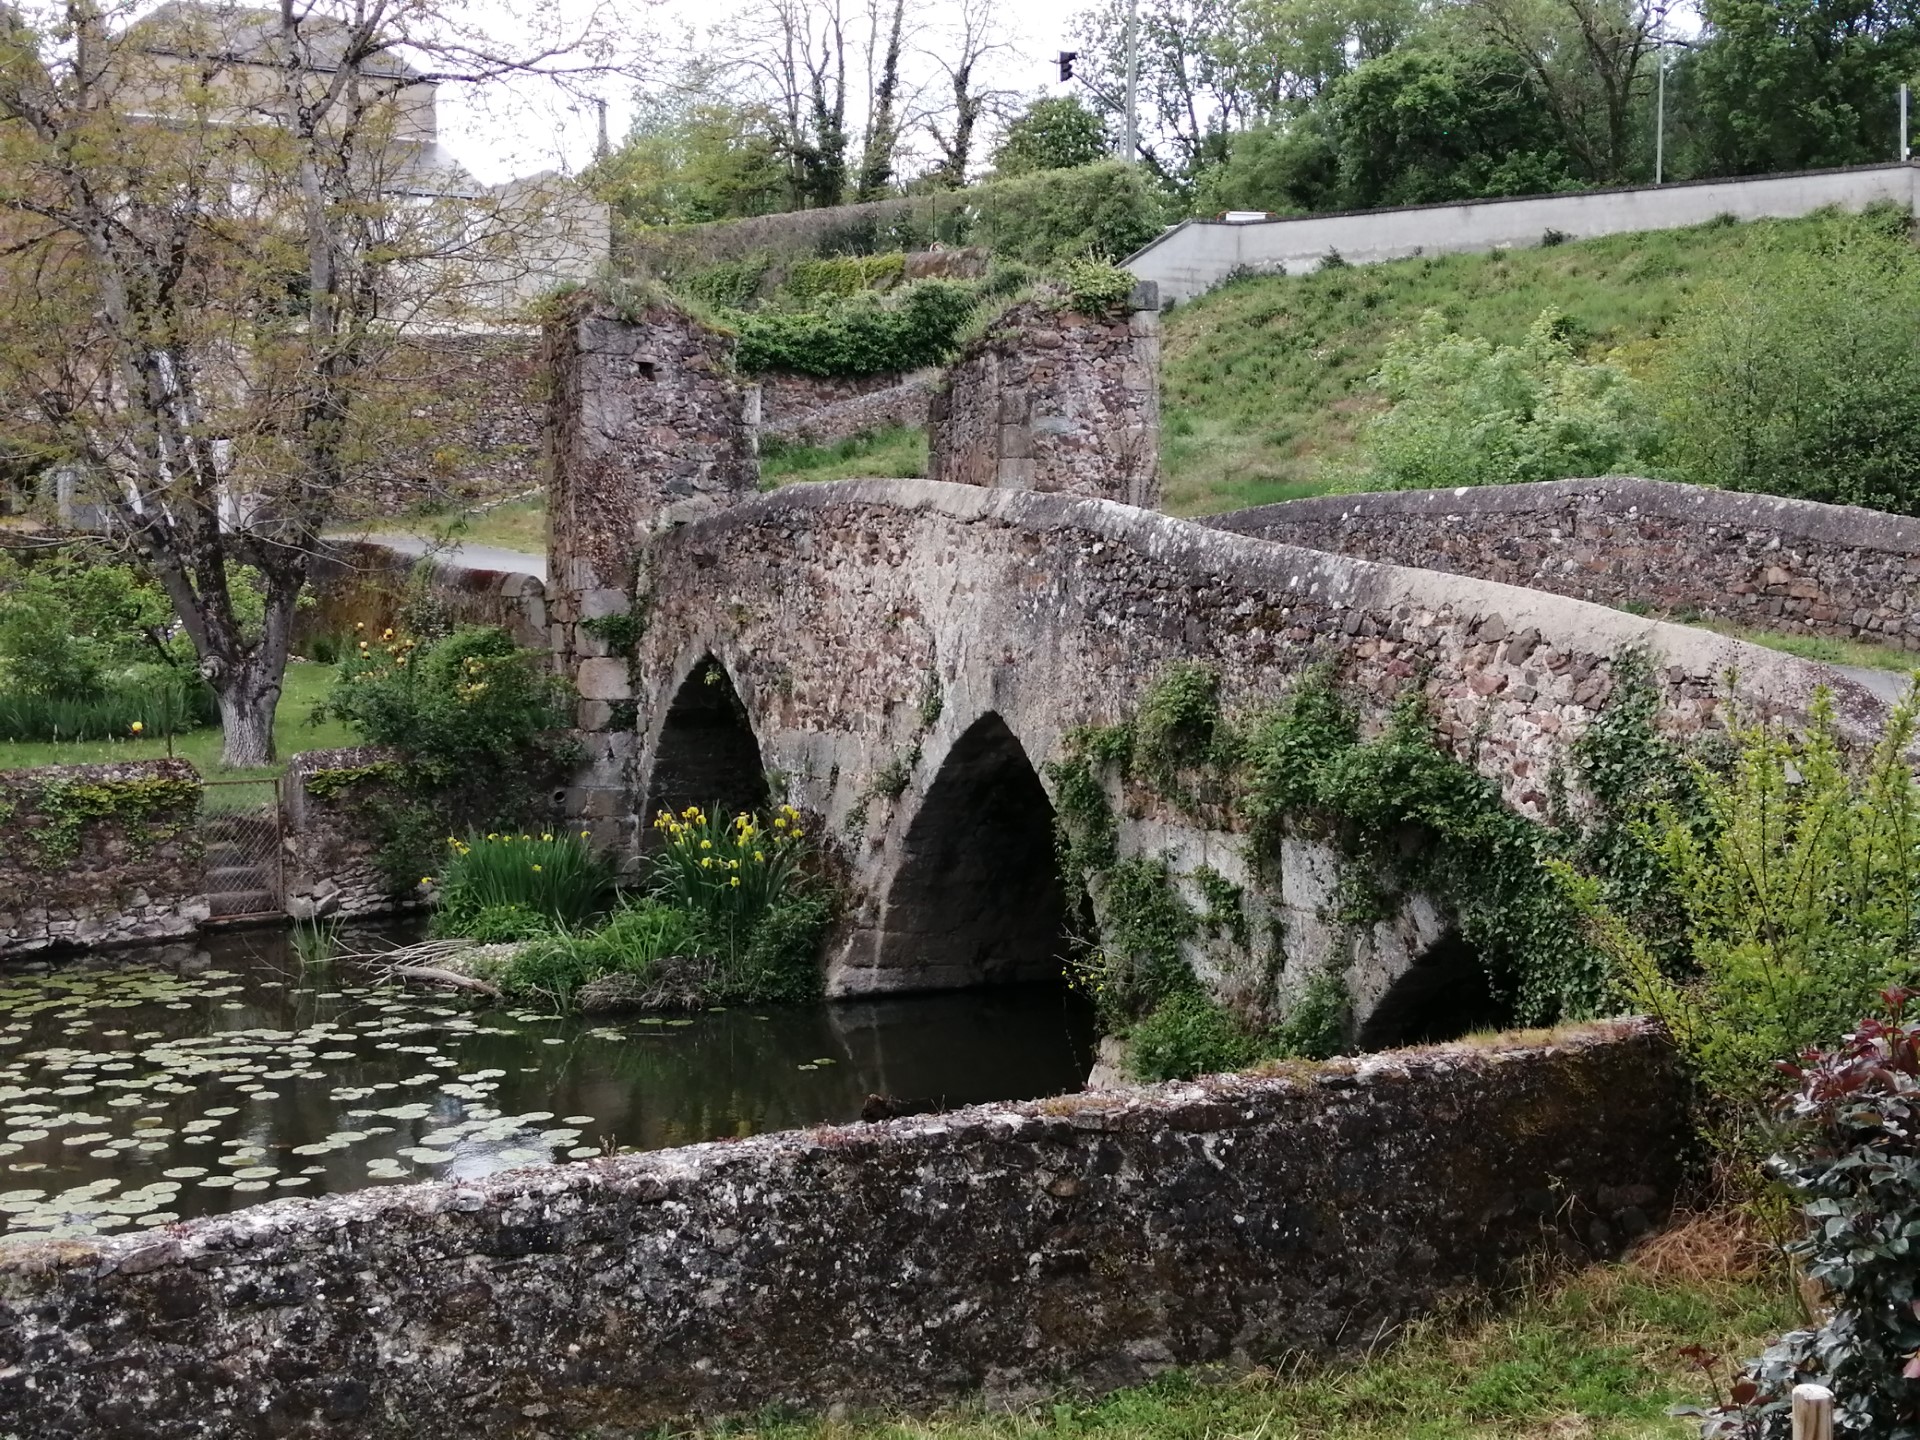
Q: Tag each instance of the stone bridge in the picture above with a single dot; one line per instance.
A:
(902, 659)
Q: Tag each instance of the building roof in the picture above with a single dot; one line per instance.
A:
(249, 36)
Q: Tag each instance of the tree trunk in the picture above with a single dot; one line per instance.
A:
(246, 720)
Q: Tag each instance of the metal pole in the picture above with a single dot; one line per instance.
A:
(1660, 117)
(1133, 81)
(1903, 121)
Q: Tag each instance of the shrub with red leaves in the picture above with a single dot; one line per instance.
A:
(1852, 1153)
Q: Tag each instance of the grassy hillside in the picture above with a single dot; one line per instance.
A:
(1265, 382)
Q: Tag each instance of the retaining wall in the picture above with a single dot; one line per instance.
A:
(1195, 256)
(1756, 560)
(1080, 1243)
(364, 584)
(333, 833)
(95, 855)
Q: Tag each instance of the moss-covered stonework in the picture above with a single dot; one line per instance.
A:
(1084, 1242)
(96, 855)
(333, 832)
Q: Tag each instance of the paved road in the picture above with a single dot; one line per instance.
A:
(460, 555)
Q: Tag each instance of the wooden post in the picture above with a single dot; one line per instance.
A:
(1812, 1412)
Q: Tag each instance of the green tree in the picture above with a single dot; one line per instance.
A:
(1056, 133)
(1802, 375)
(1796, 84)
(690, 158)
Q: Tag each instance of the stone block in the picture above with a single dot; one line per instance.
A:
(603, 678)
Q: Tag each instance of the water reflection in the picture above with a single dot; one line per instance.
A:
(154, 1085)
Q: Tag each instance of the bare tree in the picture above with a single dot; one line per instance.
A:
(796, 51)
(227, 223)
(973, 37)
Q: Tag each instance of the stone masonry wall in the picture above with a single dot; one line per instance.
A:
(1055, 401)
(1012, 1250)
(648, 428)
(96, 855)
(1757, 560)
(809, 410)
(835, 609)
(332, 833)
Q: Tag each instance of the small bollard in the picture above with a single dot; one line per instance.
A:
(1812, 1412)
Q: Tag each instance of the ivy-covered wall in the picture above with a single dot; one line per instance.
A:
(95, 855)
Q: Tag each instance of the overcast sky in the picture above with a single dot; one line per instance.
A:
(515, 132)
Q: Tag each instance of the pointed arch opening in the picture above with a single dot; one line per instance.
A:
(1443, 995)
(707, 754)
(977, 899)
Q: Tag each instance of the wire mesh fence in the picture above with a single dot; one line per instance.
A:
(240, 834)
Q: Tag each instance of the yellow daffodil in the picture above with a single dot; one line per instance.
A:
(736, 880)
(758, 856)
(137, 727)
(547, 838)
(536, 869)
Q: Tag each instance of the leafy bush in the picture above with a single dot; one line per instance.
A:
(1802, 375)
(1054, 133)
(1097, 287)
(1852, 1156)
(860, 336)
(840, 277)
(492, 882)
(1801, 894)
(728, 285)
(480, 724)
(1054, 215)
(1185, 1035)
(1466, 412)
(635, 939)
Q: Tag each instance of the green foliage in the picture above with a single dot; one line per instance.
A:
(149, 700)
(726, 285)
(1466, 412)
(694, 154)
(1800, 894)
(472, 702)
(1852, 1158)
(331, 784)
(1142, 957)
(1800, 374)
(1315, 1025)
(1047, 218)
(479, 724)
(841, 277)
(1185, 1035)
(895, 452)
(489, 879)
(1053, 133)
(860, 336)
(1226, 905)
(620, 633)
(1179, 726)
(1097, 288)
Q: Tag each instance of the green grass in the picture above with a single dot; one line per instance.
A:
(1593, 1358)
(896, 452)
(306, 685)
(1264, 383)
(1819, 647)
(521, 526)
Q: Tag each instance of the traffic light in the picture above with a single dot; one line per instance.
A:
(1067, 57)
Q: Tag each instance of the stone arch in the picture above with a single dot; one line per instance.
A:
(1444, 994)
(707, 753)
(976, 898)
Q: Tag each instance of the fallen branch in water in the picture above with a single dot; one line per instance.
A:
(433, 975)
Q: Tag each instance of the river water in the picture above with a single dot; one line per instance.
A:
(145, 1086)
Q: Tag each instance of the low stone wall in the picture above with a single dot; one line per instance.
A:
(1646, 545)
(332, 833)
(810, 411)
(1052, 400)
(1081, 1243)
(96, 855)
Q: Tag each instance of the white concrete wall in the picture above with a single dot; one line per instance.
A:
(1193, 257)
